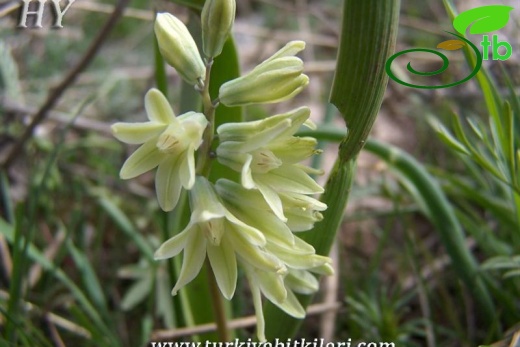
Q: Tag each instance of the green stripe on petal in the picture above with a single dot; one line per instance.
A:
(167, 183)
(224, 264)
(194, 255)
(137, 133)
(144, 159)
(158, 108)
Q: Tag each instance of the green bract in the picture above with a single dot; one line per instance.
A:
(178, 48)
(217, 18)
(168, 142)
(276, 79)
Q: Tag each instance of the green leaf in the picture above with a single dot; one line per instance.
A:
(369, 30)
(485, 19)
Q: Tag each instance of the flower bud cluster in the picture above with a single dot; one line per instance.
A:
(252, 223)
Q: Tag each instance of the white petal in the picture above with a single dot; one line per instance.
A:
(257, 303)
(302, 282)
(194, 255)
(270, 196)
(137, 133)
(289, 178)
(187, 168)
(254, 256)
(292, 306)
(174, 245)
(251, 234)
(224, 264)
(290, 49)
(272, 286)
(158, 108)
(246, 177)
(303, 263)
(144, 159)
(168, 184)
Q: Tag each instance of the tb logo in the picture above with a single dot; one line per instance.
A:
(37, 10)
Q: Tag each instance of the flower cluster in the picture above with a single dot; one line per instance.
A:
(250, 223)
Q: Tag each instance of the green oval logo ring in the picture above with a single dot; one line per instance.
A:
(445, 64)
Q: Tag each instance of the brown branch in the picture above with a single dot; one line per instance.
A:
(69, 79)
(244, 322)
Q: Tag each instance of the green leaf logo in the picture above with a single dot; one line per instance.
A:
(485, 19)
(451, 45)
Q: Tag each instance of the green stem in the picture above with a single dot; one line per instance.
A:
(218, 306)
(205, 155)
(204, 161)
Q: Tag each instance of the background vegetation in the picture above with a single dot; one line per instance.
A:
(428, 250)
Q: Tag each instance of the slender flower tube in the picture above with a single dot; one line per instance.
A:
(178, 48)
(267, 155)
(217, 19)
(168, 142)
(276, 79)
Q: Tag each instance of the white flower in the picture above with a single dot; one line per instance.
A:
(168, 142)
(178, 48)
(267, 156)
(214, 230)
(276, 79)
(217, 20)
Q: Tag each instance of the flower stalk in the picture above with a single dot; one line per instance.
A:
(203, 169)
(249, 222)
(205, 155)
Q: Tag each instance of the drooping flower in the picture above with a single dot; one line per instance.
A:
(168, 142)
(178, 48)
(276, 79)
(267, 155)
(299, 257)
(217, 20)
(216, 231)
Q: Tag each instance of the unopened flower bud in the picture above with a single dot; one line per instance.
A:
(178, 48)
(276, 79)
(217, 18)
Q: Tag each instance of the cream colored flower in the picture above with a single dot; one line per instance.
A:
(168, 142)
(216, 231)
(178, 48)
(217, 20)
(276, 79)
(267, 155)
